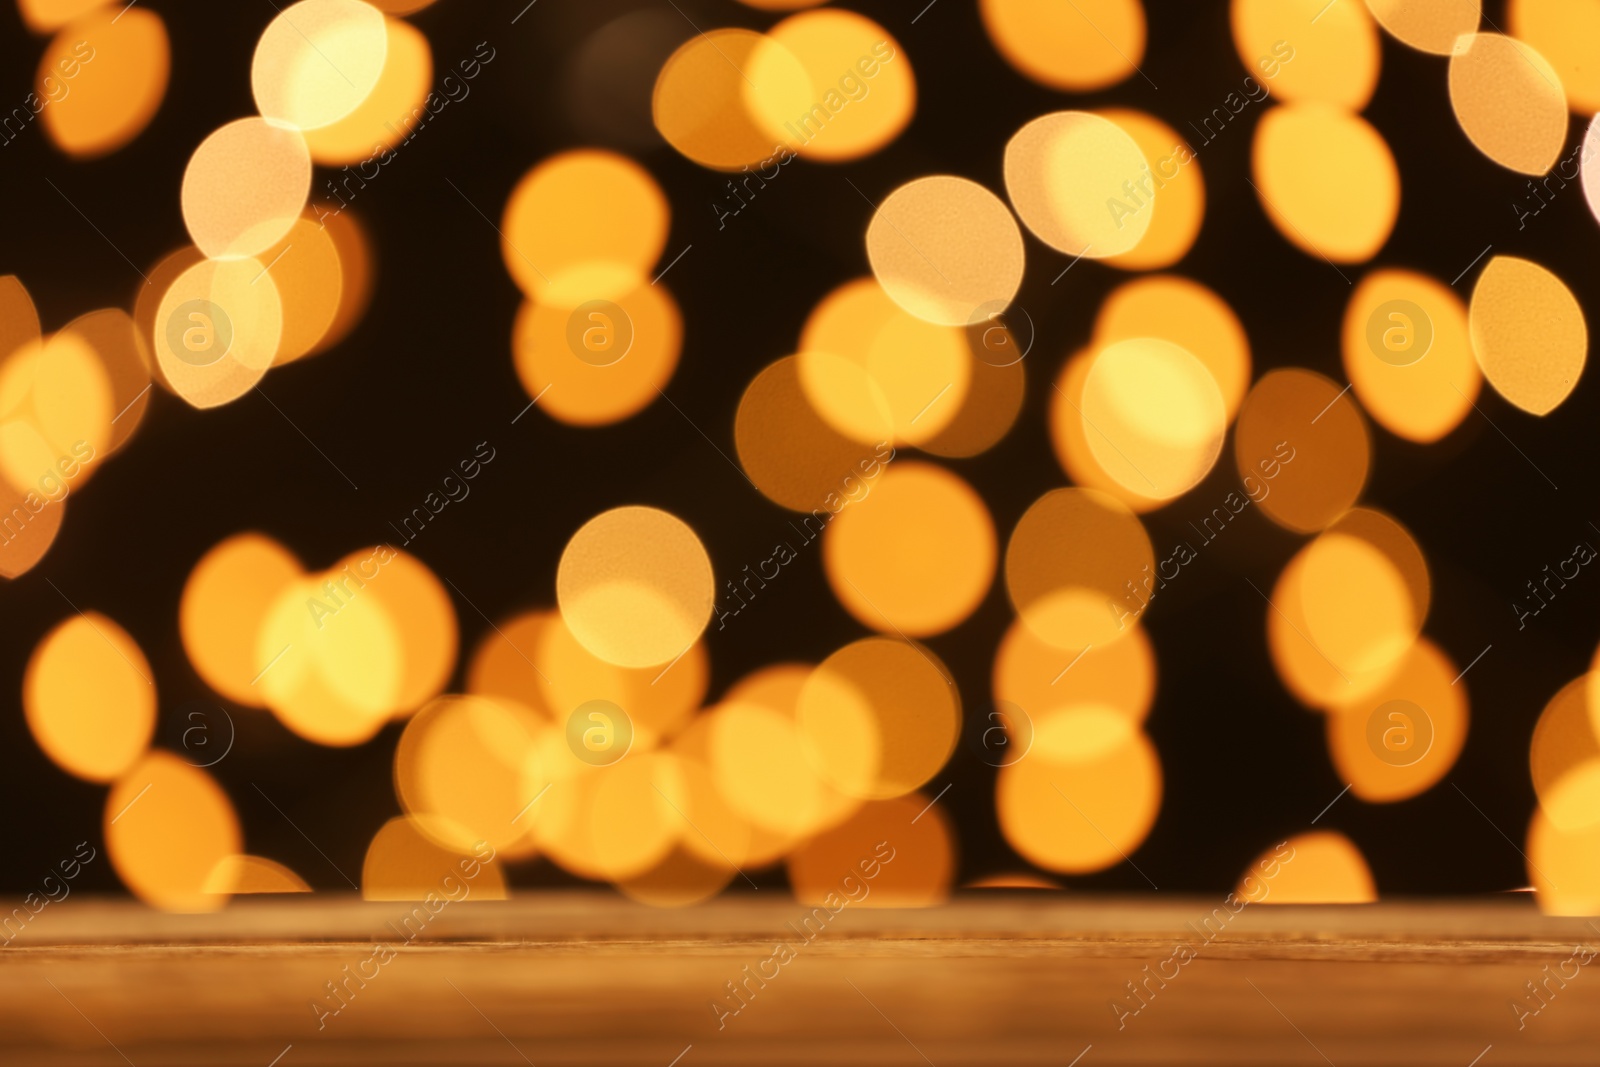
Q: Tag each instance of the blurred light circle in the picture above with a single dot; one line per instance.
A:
(1326, 179)
(43, 16)
(217, 330)
(1429, 25)
(726, 100)
(1070, 565)
(1089, 44)
(412, 598)
(1528, 333)
(1564, 865)
(1073, 178)
(317, 61)
(893, 853)
(861, 79)
(1309, 50)
(1302, 447)
(635, 586)
(404, 861)
(1408, 355)
(1039, 678)
(244, 187)
(917, 520)
(253, 874)
(89, 699)
(1320, 867)
(1069, 434)
(1188, 314)
(599, 733)
(100, 101)
(1176, 181)
(167, 826)
(224, 604)
(112, 335)
(305, 267)
(1568, 35)
(389, 116)
(879, 717)
(1509, 101)
(942, 247)
(760, 766)
(1564, 746)
(1404, 737)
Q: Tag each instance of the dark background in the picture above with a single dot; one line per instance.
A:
(428, 374)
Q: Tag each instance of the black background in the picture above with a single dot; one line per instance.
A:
(428, 374)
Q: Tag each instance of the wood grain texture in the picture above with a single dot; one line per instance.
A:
(581, 978)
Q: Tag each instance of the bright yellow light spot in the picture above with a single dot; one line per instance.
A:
(1074, 177)
(946, 249)
(1391, 751)
(1040, 678)
(1081, 816)
(89, 697)
(167, 826)
(1509, 101)
(317, 61)
(1189, 315)
(635, 586)
(389, 114)
(1569, 36)
(253, 874)
(792, 454)
(723, 97)
(1528, 332)
(1301, 448)
(112, 335)
(57, 410)
(1069, 434)
(1153, 416)
(1407, 352)
(879, 717)
(583, 225)
(1326, 179)
(918, 520)
(415, 601)
(1177, 183)
(1564, 740)
(1069, 564)
(1309, 50)
(759, 764)
(1564, 866)
(880, 858)
(1086, 45)
(861, 80)
(305, 267)
(148, 303)
(244, 187)
(1322, 867)
(602, 362)
(1431, 25)
(225, 602)
(404, 863)
(217, 330)
(103, 78)
(43, 16)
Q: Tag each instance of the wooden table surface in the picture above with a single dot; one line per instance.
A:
(991, 978)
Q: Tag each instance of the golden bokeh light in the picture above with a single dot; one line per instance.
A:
(583, 225)
(1309, 50)
(864, 91)
(1040, 678)
(253, 874)
(635, 586)
(167, 826)
(1431, 25)
(1405, 736)
(1562, 755)
(1087, 814)
(1321, 867)
(1077, 47)
(602, 362)
(118, 61)
(792, 454)
(89, 697)
(946, 249)
(113, 337)
(1509, 101)
(44, 16)
(1075, 178)
(24, 547)
(225, 602)
(658, 703)
(728, 99)
(1191, 316)
(918, 520)
(1528, 333)
(995, 392)
(879, 717)
(1326, 179)
(244, 187)
(405, 862)
(405, 591)
(1072, 561)
(1153, 416)
(1564, 866)
(305, 268)
(760, 767)
(317, 61)
(1176, 179)
(217, 330)
(55, 413)
(1069, 436)
(1408, 354)
(390, 114)
(895, 853)
(1568, 36)
(356, 270)
(1305, 445)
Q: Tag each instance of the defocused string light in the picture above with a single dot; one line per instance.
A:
(1509, 101)
(1528, 333)
(1079, 47)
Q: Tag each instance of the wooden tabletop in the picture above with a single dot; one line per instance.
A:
(992, 978)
